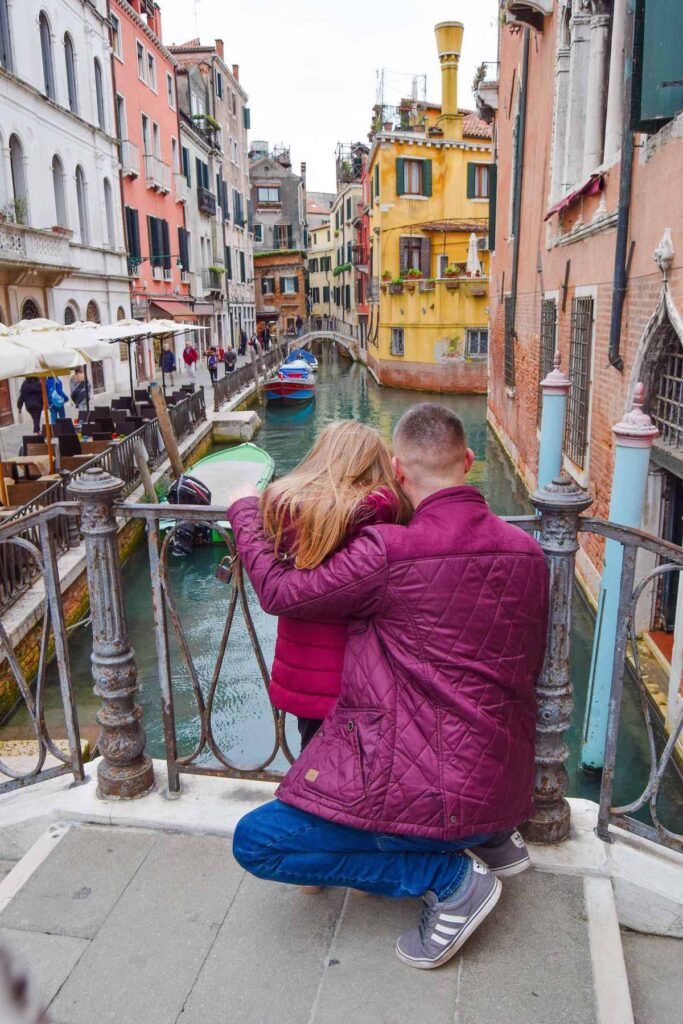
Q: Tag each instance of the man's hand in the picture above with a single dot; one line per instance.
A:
(243, 491)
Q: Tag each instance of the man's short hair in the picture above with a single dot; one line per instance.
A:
(432, 428)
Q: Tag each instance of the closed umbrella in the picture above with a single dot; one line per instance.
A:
(473, 267)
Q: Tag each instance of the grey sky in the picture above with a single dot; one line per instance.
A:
(310, 66)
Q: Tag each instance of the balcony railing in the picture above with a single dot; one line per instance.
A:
(181, 187)
(212, 279)
(130, 159)
(157, 174)
(22, 246)
(206, 201)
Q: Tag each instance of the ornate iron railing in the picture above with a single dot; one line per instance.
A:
(230, 384)
(125, 769)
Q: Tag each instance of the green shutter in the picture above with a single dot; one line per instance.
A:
(493, 198)
(400, 176)
(376, 181)
(657, 81)
(296, 282)
(471, 180)
(247, 117)
(426, 177)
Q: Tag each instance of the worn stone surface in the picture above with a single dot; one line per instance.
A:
(655, 974)
(146, 955)
(5, 867)
(46, 959)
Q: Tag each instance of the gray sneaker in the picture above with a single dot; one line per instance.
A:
(446, 926)
(508, 858)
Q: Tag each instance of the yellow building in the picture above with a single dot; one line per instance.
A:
(431, 179)
(320, 266)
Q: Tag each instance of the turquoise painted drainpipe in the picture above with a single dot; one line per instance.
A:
(555, 389)
(634, 436)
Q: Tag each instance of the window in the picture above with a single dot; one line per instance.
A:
(349, 252)
(170, 91)
(441, 264)
(140, 50)
(509, 343)
(19, 191)
(92, 313)
(183, 249)
(234, 104)
(197, 104)
(268, 285)
(174, 155)
(132, 235)
(5, 41)
(243, 269)
(159, 244)
(109, 213)
(99, 94)
(46, 54)
(146, 136)
(326, 262)
(151, 72)
(478, 181)
(258, 232)
(477, 342)
(348, 207)
(156, 140)
(70, 61)
(121, 122)
(326, 293)
(347, 296)
(58, 189)
(228, 262)
(547, 346)
(115, 26)
(413, 177)
(415, 254)
(246, 117)
(283, 236)
(187, 165)
(219, 85)
(289, 285)
(267, 194)
(237, 208)
(82, 200)
(69, 315)
(315, 296)
(202, 170)
(576, 433)
(657, 81)
(397, 346)
(376, 177)
(313, 266)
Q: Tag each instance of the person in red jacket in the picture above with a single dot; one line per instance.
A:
(190, 358)
(344, 483)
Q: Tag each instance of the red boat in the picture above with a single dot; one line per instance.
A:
(290, 391)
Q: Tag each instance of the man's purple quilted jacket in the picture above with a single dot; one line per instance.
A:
(433, 733)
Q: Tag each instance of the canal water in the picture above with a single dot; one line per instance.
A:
(242, 721)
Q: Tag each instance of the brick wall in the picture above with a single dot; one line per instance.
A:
(460, 376)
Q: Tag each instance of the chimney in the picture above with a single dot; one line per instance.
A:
(219, 49)
(303, 171)
(449, 43)
(236, 72)
(155, 22)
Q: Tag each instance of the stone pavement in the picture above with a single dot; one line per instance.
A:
(132, 926)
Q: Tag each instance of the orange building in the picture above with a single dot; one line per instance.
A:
(148, 130)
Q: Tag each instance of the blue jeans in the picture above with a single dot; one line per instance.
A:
(284, 844)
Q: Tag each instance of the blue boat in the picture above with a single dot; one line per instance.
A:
(302, 353)
(299, 369)
(289, 390)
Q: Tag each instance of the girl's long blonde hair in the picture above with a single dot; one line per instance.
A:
(312, 508)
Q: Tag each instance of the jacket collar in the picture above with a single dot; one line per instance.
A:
(466, 492)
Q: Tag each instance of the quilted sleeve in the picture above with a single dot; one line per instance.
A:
(350, 584)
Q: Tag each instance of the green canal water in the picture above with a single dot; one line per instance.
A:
(242, 721)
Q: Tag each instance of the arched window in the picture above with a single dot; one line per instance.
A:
(99, 94)
(83, 225)
(109, 213)
(19, 192)
(58, 188)
(46, 53)
(30, 310)
(92, 313)
(70, 315)
(5, 42)
(120, 313)
(70, 59)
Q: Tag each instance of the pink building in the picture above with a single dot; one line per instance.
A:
(153, 193)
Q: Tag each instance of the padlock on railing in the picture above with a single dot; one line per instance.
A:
(224, 569)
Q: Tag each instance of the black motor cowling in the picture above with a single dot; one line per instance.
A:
(187, 490)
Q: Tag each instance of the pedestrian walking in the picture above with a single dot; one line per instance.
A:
(230, 359)
(168, 362)
(190, 358)
(56, 399)
(212, 365)
(80, 390)
(299, 326)
(31, 396)
(243, 343)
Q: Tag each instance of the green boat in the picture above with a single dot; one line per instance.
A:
(225, 470)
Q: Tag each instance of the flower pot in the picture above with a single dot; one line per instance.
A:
(410, 286)
(427, 286)
(387, 126)
(452, 285)
(383, 287)
(396, 288)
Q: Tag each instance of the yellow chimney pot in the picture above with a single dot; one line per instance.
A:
(449, 44)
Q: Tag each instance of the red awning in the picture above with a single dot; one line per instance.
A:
(595, 184)
(176, 310)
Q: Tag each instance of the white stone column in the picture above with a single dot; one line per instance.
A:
(596, 101)
(560, 125)
(579, 27)
(615, 91)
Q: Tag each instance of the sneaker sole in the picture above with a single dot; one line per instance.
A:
(475, 920)
(512, 869)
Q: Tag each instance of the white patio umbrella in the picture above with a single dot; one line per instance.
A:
(473, 266)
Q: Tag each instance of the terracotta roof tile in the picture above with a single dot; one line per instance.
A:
(474, 128)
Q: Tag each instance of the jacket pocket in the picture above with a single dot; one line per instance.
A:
(341, 762)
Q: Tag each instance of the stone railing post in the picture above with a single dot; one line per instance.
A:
(555, 390)
(560, 503)
(125, 770)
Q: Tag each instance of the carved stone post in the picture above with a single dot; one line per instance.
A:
(125, 770)
(560, 503)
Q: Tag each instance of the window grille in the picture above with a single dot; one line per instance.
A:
(576, 435)
(509, 355)
(397, 346)
(668, 414)
(547, 347)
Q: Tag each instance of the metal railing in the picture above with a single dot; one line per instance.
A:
(18, 567)
(125, 769)
(231, 384)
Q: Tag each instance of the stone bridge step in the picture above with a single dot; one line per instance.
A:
(130, 926)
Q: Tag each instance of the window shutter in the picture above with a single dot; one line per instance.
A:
(471, 180)
(426, 256)
(226, 208)
(228, 261)
(400, 176)
(165, 244)
(290, 241)
(151, 238)
(198, 168)
(132, 231)
(402, 254)
(376, 181)
(296, 282)
(247, 117)
(426, 177)
(493, 199)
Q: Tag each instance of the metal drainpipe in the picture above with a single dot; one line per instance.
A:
(519, 173)
(620, 282)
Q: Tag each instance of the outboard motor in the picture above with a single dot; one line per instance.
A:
(187, 490)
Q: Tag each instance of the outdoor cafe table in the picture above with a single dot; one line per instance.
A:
(41, 464)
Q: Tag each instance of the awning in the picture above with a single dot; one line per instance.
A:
(176, 310)
(595, 184)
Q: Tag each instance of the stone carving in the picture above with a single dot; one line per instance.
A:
(664, 254)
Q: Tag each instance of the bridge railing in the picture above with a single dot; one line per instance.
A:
(125, 769)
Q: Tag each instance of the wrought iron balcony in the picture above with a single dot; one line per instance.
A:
(206, 201)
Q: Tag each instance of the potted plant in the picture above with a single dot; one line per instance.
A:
(410, 276)
(386, 276)
(396, 286)
(427, 284)
(387, 125)
(452, 275)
